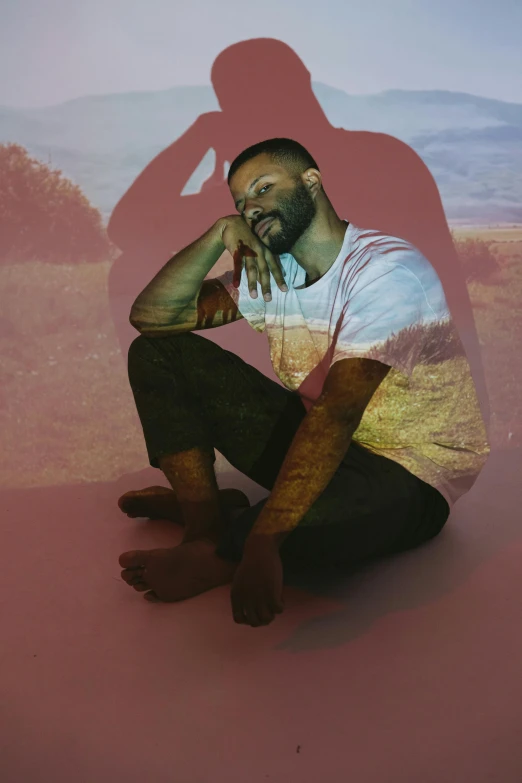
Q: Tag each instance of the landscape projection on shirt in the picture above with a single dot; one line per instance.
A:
(381, 299)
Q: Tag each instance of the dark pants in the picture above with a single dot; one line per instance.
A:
(190, 393)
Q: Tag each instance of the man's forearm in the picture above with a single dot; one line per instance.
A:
(172, 294)
(316, 452)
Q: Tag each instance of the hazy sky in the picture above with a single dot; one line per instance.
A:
(60, 49)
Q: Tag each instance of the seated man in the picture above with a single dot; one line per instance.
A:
(374, 434)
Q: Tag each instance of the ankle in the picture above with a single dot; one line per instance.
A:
(211, 526)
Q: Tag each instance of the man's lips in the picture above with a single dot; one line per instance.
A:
(260, 228)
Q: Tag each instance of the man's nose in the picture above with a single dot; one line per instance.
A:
(253, 213)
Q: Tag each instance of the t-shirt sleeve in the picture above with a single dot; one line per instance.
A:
(253, 310)
(388, 317)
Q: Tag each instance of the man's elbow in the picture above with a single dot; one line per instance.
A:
(135, 322)
(145, 324)
(143, 320)
(150, 327)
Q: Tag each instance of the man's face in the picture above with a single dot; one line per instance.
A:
(277, 196)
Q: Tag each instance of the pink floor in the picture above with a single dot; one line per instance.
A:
(408, 670)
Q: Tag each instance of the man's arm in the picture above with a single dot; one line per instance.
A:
(319, 446)
(312, 459)
(176, 300)
(179, 299)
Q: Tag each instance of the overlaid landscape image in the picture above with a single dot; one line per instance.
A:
(63, 169)
(267, 538)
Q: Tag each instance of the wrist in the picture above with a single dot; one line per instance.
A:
(263, 542)
(221, 224)
(224, 222)
(217, 231)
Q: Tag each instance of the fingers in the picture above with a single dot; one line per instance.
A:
(277, 270)
(259, 262)
(237, 608)
(264, 278)
(253, 617)
(239, 617)
(241, 253)
(238, 268)
(257, 613)
(258, 270)
(265, 615)
(251, 272)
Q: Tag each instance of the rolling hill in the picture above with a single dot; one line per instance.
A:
(472, 145)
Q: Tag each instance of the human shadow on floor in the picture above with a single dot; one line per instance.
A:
(482, 524)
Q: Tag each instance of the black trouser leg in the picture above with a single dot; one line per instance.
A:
(190, 393)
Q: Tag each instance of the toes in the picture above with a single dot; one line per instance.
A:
(134, 559)
(129, 509)
(133, 575)
(123, 502)
(152, 597)
(141, 587)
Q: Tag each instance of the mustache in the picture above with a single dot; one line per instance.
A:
(265, 217)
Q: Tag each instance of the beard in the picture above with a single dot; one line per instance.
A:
(295, 213)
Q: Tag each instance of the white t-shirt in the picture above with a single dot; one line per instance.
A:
(381, 299)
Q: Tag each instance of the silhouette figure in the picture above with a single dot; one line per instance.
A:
(372, 179)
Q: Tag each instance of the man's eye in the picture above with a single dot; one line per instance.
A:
(258, 193)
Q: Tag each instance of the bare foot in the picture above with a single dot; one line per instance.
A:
(151, 502)
(178, 573)
(161, 503)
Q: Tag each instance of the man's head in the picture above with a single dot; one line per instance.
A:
(279, 179)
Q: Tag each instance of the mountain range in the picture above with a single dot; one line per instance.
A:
(472, 145)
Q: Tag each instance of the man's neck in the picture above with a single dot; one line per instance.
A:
(317, 253)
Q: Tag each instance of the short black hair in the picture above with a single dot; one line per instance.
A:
(286, 152)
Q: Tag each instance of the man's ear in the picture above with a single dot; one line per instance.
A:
(313, 180)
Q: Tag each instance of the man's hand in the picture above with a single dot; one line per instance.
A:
(257, 588)
(246, 247)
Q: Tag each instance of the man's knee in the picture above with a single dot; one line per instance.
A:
(142, 347)
(139, 350)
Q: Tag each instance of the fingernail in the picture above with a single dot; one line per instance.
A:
(284, 288)
(268, 297)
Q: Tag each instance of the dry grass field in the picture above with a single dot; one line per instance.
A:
(500, 234)
(66, 410)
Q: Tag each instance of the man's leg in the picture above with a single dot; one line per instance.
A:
(372, 507)
(192, 477)
(192, 396)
